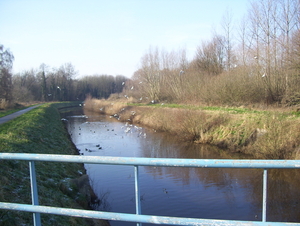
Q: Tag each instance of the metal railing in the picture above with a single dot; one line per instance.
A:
(139, 218)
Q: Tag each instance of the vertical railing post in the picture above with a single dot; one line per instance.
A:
(264, 202)
(34, 193)
(137, 193)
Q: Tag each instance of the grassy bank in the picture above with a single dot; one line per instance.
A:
(40, 131)
(269, 134)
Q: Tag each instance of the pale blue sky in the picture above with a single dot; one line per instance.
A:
(106, 37)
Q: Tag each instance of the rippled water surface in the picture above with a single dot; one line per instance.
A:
(234, 194)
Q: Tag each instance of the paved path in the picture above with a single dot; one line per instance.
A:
(16, 114)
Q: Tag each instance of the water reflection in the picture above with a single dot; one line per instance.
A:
(216, 193)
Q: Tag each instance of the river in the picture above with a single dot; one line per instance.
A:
(234, 194)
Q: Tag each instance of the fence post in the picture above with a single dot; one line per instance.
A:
(137, 193)
(264, 202)
(34, 193)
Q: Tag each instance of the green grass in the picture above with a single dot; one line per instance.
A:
(38, 131)
(234, 110)
(231, 110)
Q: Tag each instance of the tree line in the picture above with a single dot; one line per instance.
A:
(56, 84)
(60, 84)
(250, 62)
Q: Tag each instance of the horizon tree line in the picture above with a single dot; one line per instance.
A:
(52, 84)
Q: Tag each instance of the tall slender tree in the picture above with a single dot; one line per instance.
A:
(44, 82)
(6, 63)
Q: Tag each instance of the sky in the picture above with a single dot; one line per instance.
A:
(107, 36)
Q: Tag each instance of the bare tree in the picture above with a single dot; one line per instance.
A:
(65, 75)
(175, 82)
(227, 25)
(265, 33)
(149, 74)
(24, 86)
(287, 20)
(245, 56)
(6, 63)
(210, 56)
(295, 52)
(43, 68)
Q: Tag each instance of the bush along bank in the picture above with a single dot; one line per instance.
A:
(273, 134)
(41, 131)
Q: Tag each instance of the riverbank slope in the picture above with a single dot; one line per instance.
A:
(266, 134)
(41, 131)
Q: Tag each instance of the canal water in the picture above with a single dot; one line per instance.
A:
(233, 194)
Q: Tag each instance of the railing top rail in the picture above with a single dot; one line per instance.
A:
(166, 162)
